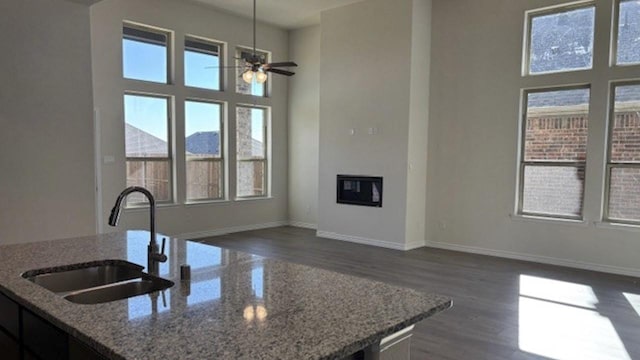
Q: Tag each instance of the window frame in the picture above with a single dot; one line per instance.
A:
(523, 164)
(221, 60)
(222, 159)
(554, 9)
(238, 54)
(178, 43)
(266, 151)
(609, 165)
(613, 61)
(168, 49)
(170, 146)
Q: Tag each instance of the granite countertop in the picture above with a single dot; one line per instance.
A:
(236, 306)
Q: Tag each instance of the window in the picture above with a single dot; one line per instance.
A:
(144, 54)
(556, 120)
(561, 40)
(255, 88)
(147, 145)
(554, 152)
(251, 148)
(196, 171)
(203, 150)
(623, 166)
(628, 34)
(202, 68)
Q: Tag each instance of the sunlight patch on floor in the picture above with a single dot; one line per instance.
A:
(634, 300)
(558, 320)
(558, 291)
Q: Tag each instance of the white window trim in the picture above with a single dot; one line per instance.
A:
(522, 163)
(609, 166)
(170, 150)
(169, 50)
(178, 92)
(266, 151)
(221, 56)
(530, 14)
(223, 158)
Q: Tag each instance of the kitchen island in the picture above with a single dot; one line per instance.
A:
(235, 306)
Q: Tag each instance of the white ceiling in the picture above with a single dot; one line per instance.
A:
(289, 14)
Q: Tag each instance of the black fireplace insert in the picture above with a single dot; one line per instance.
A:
(360, 190)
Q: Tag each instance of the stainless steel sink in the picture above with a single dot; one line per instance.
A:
(97, 282)
(124, 290)
(83, 276)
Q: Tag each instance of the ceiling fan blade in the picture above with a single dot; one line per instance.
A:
(224, 67)
(281, 64)
(281, 72)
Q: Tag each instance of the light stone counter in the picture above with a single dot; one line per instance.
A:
(236, 306)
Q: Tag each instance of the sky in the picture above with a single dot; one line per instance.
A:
(148, 62)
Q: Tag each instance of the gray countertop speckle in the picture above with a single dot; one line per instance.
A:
(236, 306)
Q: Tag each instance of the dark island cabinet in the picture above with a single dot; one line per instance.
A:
(26, 336)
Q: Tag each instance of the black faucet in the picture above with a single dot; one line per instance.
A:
(154, 257)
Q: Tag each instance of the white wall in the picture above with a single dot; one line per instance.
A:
(374, 74)
(473, 140)
(109, 86)
(418, 123)
(304, 123)
(46, 142)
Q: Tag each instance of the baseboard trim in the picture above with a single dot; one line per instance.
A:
(361, 240)
(537, 258)
(414, 245)
(303, 225)
(230, 230)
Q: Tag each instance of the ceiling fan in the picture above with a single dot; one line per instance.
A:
(257, 66)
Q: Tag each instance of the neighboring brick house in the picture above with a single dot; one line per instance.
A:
(250, 173)
(556, 130)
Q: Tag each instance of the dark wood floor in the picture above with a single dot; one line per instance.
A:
(503, 309)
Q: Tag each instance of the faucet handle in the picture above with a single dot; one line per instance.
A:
(161, 257)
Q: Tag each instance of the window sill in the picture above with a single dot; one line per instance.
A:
(617, 226)
(206, 202)
(143, 208)
(548, 220)
(257, 198)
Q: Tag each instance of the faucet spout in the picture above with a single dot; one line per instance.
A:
(152, 250)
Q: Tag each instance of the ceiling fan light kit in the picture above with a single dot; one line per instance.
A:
(261, 77)
(247, 76)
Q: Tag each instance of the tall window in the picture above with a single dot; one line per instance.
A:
(627, 44)
(255, 88)
(202, 67)
(148, 149)
(150, 96)
(144, 54)
(554, 152)
(623, 166)
(560, 40)
(251, 148)
(203, 150)
(555, 120)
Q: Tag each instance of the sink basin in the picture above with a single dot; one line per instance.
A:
(97, 282)
(83, 276)
(124, 290)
